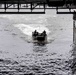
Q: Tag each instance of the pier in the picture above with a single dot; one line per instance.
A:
(35, 6)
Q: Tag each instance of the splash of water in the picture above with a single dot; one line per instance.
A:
(28, 29)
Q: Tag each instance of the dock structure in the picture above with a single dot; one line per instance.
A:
(35, 6)
(22, 6)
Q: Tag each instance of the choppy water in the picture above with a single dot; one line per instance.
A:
(20, 56)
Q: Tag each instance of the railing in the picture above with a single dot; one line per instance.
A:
(17, 6)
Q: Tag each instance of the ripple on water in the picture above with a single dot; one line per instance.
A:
(36, 64)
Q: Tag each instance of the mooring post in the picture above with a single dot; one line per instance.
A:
(44, 6)
(31, 6)
(18, 5)
(74, 28)
(5, 6)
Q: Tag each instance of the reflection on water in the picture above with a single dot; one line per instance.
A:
(40, 62)
(40, 47)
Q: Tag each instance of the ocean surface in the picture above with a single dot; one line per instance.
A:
(19, 55)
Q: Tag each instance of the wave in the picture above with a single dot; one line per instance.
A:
(28, 29)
